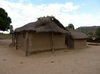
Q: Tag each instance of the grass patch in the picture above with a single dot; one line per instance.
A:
(5, 36)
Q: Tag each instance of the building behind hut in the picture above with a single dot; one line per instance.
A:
(76, 39)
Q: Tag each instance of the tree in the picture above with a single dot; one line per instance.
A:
(90, 34)
(70, 26)
(98, 33)
(5, 20)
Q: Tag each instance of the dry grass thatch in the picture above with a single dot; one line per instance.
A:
(44, 24)
(77, 34)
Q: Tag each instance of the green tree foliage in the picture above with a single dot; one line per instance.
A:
(5, 20)
(70, 26)
(90, 34)
(98, 33)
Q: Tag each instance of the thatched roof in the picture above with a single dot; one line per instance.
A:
(77, 34)
(44, 24)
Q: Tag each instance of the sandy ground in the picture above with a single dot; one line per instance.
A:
(77, 61)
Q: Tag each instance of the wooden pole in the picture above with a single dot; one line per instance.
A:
(52, 42)
(13, 40)
(16, 41)
(27, 44)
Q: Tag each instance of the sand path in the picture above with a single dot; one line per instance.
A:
(78, 61)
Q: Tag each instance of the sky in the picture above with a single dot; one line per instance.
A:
(78, 12)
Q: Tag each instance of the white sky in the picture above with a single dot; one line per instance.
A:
(66, 13)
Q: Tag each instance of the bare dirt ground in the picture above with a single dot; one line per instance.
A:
(76, 61)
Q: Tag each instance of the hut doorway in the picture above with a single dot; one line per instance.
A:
(69, 41)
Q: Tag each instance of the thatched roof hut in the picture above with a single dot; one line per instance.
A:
(76, 39)
(47, 33)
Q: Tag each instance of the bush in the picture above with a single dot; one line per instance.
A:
(91, 40)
